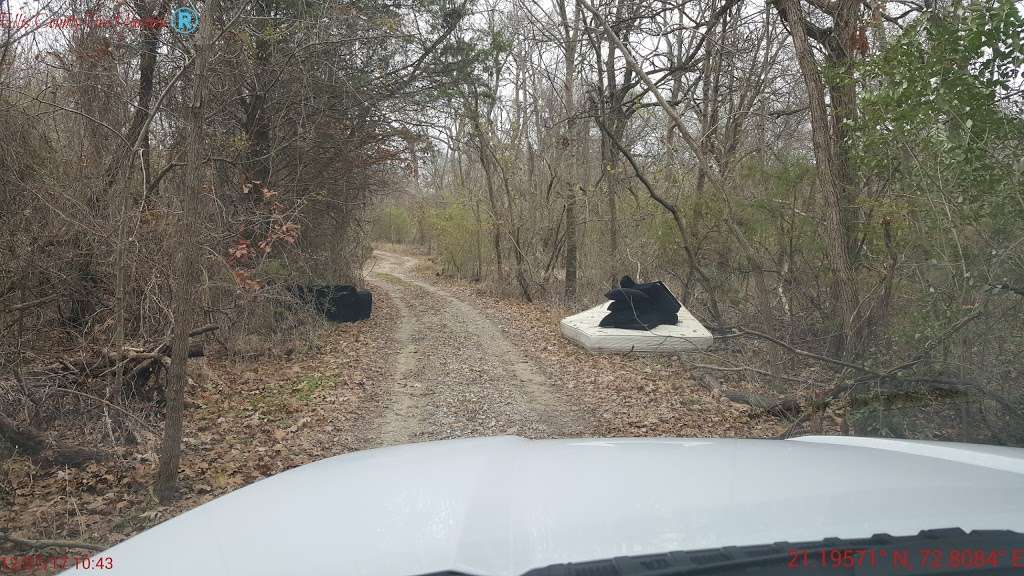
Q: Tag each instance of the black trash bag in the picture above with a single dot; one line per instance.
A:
(336, 302)
(350, 305)
(627, 295)
(640, 306)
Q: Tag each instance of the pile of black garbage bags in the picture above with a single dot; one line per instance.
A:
(640, 306)
(338, 303)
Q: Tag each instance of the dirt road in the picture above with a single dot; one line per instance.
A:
(437, 359)
(455, 373)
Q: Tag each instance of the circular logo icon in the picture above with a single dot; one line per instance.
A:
(185, 20)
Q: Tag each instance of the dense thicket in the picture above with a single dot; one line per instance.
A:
(223, 162)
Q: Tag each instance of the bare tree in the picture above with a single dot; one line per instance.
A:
(570, 41)
(830, 138)
(188, 261)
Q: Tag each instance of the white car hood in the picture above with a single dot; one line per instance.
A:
(502, 506)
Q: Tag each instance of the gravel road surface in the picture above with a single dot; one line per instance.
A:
(455, 373)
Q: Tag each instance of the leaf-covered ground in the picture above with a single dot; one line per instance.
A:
(250, 418)
(438, 359)
(629, 395)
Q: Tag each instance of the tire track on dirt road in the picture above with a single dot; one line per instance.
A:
(455, 374)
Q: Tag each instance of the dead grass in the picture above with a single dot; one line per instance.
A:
(252, 417)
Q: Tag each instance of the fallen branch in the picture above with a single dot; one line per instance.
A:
(932, 344)
(946, 385)
(902, 385)
(31, 303)
(39, 544)
(104, 362)
(818, 405)
(747, 369)
(890, 376)
(1007, 288)
(203, 330)
(819, 357)
(785, 408)
(165, 349)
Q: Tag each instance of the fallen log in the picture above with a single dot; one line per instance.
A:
(787, 408)
(31, 304)
(195, 348)
(103, 362)
(40, 544)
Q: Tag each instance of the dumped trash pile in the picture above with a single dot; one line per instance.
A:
(338, 303)
(640, 306)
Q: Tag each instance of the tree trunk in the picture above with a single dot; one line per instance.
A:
(186, 265)
(137, 134)
(614, 114)
(485, 161)
(571, 144)
(609, 164)
(570, 247)
(836, 231)
(255, 105)
(842, 90)
(609, 156)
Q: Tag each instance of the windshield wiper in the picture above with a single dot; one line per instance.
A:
(948, 552)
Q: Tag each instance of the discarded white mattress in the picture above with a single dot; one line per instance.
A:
(688, 334)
